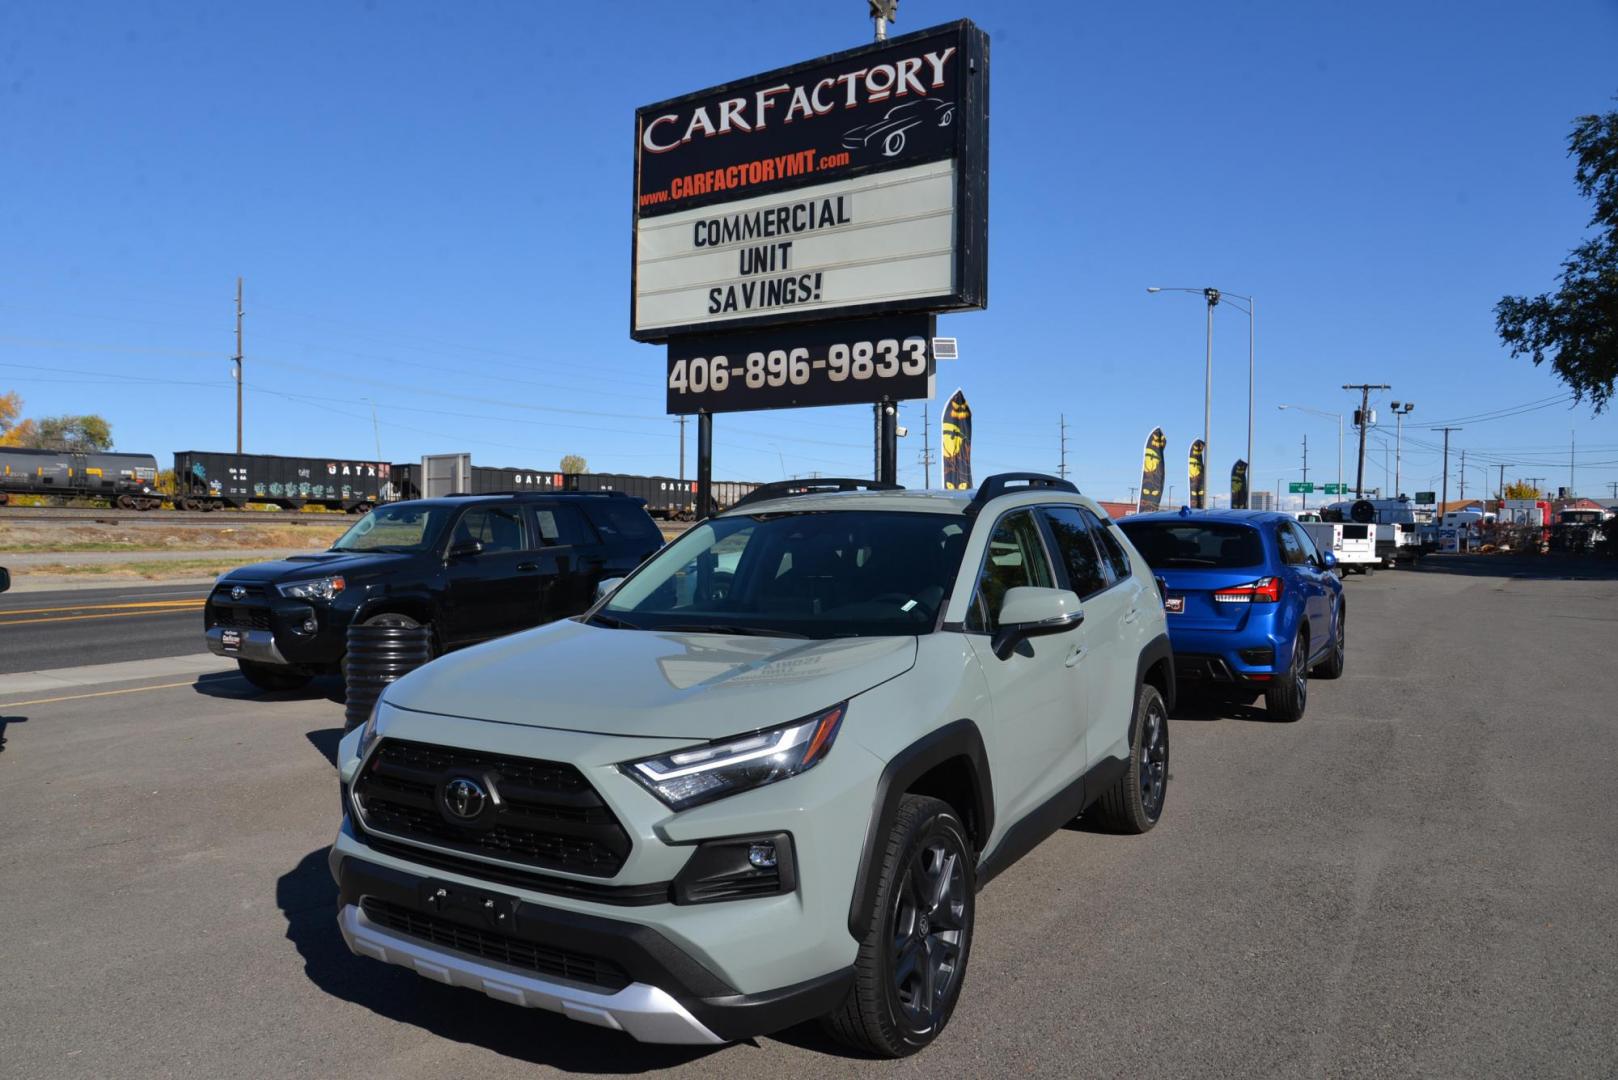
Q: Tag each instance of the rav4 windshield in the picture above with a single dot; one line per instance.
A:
(1169, 545)
(847, 573)
(400, 527)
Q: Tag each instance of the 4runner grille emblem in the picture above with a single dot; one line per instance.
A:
(237, 592)
(464, 798)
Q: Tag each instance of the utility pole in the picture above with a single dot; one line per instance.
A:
(1572, 452)
(1501, 493)
(238, 359)
(926, 444)
(1536, 481)
(1133, 489)
(1061, 427)
(1463, 475)
(1362, 419)
(1444, 498)
(1306, 469)
(1614, 485)
(1400, 411)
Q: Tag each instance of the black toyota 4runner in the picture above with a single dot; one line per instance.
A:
(472, 567)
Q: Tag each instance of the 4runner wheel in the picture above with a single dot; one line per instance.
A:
(273, 676)
(1332, 666)
(1288, 696)
(912, 959)
(1135, 802)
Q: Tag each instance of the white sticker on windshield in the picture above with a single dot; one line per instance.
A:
(908, 604)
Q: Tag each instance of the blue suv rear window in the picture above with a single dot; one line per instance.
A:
(1191, 544)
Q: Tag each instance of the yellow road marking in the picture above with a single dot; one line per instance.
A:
(107, 615)
(101, 693)
(105, 607)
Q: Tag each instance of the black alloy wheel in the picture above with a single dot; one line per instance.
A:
(1300, 673)
(928, 925)
(1288, 695)
(1154, 758)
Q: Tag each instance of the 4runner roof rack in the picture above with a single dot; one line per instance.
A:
(1004, 483)
(782, 489)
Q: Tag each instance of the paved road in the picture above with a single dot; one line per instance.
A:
(94, 626)
(1419, 879)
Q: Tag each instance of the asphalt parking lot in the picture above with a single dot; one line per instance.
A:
(1419, 878)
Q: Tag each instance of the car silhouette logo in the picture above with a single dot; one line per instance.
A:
(889, 132)
(464, 798)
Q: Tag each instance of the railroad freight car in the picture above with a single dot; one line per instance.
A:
(204, 480)
(666, 497)
(125, 480)
(485, 480)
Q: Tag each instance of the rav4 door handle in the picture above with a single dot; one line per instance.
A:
(1075, 654)
(1132, 615)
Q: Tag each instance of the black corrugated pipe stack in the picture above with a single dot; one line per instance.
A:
(377, 655)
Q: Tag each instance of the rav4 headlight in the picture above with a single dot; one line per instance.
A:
(702, 774)
(325, 588)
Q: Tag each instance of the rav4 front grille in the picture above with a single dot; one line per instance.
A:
(501, 948)
(542, 814)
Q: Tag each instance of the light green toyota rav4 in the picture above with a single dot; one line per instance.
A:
(762, 780)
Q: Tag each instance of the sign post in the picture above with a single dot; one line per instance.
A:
(797, 232)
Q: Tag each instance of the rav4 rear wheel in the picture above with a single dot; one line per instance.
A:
(912, 959)
(1135, 802)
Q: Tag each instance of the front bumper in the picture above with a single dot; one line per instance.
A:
(256, 645)
(275, 631)
(663, 994)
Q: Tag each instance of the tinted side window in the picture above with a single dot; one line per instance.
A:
(1307, 542)
(1078, 552)
(616, 521)
(1016, 557)
(562, 525)
(1292, 552)
(497, 528)
(1112, 552)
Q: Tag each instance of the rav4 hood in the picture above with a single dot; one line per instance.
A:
(650, 683)
(319, 564)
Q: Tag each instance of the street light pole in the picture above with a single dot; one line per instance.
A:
(1213, 297)
(1400, 411)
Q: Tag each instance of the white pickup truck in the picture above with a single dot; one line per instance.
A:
(1353, 544)
(1398, 538)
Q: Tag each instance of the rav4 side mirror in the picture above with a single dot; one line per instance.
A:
(606, 586)
(464, 549)
(1029, 611)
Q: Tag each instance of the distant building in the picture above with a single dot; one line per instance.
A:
(1261, 500)
(1116, 510)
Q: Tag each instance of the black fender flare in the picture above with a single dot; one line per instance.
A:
(1157, 649)
(410, 603)
(958, 739)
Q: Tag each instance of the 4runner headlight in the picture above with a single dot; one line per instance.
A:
(689, 778)
(325, 588)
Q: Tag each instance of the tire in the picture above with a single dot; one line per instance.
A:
(273, 677)
(1287, 698)
(1332, 666)
(881, 1014)
(1134, 804)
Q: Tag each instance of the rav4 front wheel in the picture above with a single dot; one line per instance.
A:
(912, 959)
(1135, 802)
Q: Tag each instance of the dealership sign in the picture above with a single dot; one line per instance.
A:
(851, 185)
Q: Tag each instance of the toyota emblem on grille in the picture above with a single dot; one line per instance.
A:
(464, 798)
(237, 592)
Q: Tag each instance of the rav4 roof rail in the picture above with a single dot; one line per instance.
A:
(818, 485)
(1004, 483)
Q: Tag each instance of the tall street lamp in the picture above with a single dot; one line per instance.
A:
(1400, 411)
(1213, 297)
(1330, 416)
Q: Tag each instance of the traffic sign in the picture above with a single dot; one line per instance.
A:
(1301, 488)
(1426, 497)
(1336, 489)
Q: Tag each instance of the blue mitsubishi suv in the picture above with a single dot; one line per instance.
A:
(1252, 605)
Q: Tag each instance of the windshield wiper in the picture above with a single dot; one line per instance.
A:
(728, 628)
(611, 622)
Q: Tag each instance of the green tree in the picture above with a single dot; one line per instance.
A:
(10, 410)
(1577, 326)
(573, 464)
(78, 434)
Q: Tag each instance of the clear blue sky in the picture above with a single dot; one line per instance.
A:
(431, 202)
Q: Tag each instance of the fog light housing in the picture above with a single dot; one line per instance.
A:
(310, 626)
(737, 868)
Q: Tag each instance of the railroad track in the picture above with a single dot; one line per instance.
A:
(92, 516)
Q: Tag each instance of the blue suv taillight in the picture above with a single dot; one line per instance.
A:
(1265, 590)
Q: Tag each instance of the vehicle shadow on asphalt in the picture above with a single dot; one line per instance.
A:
(1200, 707)
(307, 897)
(229, 684)
(325, 740)
(6, 721)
